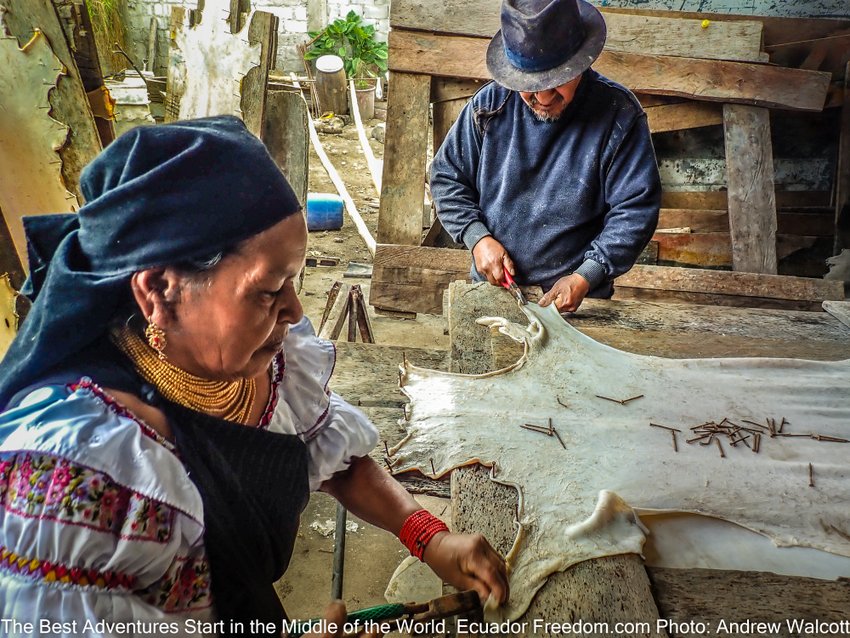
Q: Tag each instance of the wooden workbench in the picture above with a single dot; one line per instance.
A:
(620, 588)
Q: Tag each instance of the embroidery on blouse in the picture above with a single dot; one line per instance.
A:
(49, 488)
(51, 572)
(87, 385)
(278, 366)
(185, 586)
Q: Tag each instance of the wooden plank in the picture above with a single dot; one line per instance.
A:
(826, 54)
(842, 178)
(708, 80)
(737, 597)
(68, 100)
(752, 203)
(261, 31)
(776, 29)
(285, 134)
(684, 115)
(413, 278)
(405, 150)
(717, 200)
(740, 284)
(448, 89)
(723, 40)
(338, 314)
(714, 250)
(814, 224)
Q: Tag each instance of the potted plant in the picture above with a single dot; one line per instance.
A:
(364, 57)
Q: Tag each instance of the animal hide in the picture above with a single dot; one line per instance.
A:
(587, 498)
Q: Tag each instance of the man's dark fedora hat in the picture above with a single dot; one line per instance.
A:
(544, 43)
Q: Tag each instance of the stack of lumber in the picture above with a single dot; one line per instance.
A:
(691, 72)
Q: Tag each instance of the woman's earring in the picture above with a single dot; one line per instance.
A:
(156, 338)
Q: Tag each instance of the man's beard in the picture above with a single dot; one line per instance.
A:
(544, 117)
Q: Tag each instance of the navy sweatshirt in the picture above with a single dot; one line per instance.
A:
(580, 194)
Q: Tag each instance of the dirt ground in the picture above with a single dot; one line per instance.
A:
(371, 554)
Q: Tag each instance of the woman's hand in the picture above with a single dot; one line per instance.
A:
(491, 260)
(467, 561)
(567, 293)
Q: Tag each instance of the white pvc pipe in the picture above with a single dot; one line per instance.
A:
(339, 184)
(375, 167)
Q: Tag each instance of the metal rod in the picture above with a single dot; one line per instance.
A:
(339, 553)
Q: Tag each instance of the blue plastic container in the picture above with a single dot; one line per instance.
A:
(324, 211)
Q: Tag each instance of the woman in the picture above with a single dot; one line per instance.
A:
(165, 403)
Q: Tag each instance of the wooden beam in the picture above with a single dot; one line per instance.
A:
(776, 29)
(413, 278)
(708, 80)
(813, 224)
(752, 203)
(733, 284)
(684, 115)
(717, 200)
(669, 35)
(842, 177)
(448, 89)
(261, 32)
(715, 250)
(403, 182)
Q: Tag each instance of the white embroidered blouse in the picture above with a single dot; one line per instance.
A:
(101, 529)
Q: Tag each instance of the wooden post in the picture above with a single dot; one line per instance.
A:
(752, 201)
(403, 183)
(285, 134)
(842, 176)
(261, 31)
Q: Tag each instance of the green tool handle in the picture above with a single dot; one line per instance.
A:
(378, 613)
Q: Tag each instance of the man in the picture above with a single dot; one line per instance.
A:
(549, 173)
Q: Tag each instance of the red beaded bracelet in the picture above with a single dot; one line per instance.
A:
(418, 530)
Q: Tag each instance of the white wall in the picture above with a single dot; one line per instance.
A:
(296, 18)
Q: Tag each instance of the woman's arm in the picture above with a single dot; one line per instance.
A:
(464, 560)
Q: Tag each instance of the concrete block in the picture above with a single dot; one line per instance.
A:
(376, 12)
(295, 26)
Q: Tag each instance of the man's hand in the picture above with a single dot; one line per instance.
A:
(491, 260)
(567, 293)
(468, 562)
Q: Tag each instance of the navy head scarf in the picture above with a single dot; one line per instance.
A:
(157, 196)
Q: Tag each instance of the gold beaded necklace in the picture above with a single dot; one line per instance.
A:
(230, 400)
